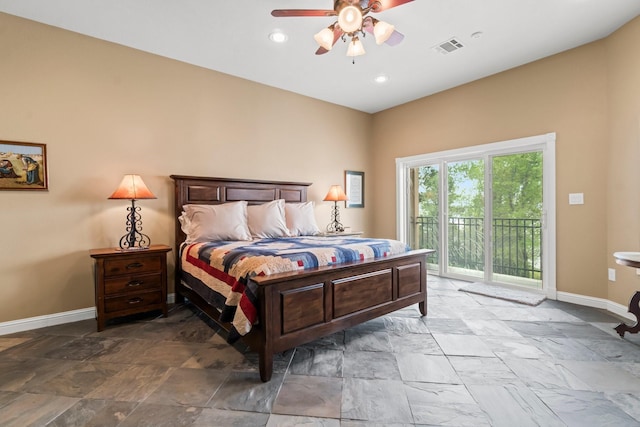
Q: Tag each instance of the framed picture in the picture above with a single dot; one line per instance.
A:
(23, 166)
(354, 185)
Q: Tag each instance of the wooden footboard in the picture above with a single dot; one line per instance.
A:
(302, 307)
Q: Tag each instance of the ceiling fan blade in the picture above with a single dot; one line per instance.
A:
(279, 13)
(395, 38)
(380, 5)
(337, 33)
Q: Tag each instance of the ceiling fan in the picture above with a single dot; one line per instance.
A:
(353, 20)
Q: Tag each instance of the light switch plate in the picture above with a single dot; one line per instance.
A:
(576, 198)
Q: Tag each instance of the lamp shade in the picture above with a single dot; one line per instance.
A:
(325, 38)
(133, 188)
(382, 31)
(350, 19)
(355, 47)
(335, 194)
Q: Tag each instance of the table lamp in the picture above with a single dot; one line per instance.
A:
(335, 195)
(133, 188)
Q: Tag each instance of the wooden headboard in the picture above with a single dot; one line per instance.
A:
(213, 191)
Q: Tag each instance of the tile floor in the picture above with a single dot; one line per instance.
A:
(473, 361)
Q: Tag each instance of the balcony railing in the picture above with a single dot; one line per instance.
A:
(516, 243)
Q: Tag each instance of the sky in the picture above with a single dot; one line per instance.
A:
(22, 149)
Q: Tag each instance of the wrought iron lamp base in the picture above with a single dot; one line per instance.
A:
(335, 226)
(134, 239)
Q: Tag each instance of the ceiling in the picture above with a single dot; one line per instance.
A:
(232, 37)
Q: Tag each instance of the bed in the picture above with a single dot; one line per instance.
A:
(297, 307)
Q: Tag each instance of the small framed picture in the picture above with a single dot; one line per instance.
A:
(23, 166)
(354, 185)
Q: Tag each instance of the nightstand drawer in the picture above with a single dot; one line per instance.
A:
(133, 301)
(132, 283)
(132, 265)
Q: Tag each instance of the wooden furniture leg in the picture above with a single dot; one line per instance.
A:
(422, 306)
(266, 365)
(634, 308)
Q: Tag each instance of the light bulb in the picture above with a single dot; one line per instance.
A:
(350, 19)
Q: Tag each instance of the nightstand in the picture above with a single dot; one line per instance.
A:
(130, 282)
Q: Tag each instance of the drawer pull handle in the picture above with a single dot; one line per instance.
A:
(134, 283)
(135, 300)
(134, 265)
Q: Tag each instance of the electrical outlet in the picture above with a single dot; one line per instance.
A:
(612, 274)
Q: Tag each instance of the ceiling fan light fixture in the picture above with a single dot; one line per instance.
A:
(353, 20)
(355, 48)
(324, 38)
(382, 31)
(350, 19)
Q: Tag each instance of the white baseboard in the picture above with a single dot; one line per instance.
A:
(30, 323)
(620, 310)
(613, 307)
(37, 322)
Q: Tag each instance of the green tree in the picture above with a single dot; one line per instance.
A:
(466, 188)
(428, 184)
(517, 189)
(517, 185)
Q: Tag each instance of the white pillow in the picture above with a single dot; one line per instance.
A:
(203, 223)
(267, 220)
(301, 219)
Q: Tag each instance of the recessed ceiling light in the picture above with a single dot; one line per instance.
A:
(278, 36)
(381, 78)
(476, 35)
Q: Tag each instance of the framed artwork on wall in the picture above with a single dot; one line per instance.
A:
(23, 166)
(354, 186)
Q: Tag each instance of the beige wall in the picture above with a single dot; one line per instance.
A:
(570, 94)
(104, 110)
(623, 201)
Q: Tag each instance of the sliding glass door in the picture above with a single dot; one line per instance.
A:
(516, 233)
(483, 213)
(464, 218)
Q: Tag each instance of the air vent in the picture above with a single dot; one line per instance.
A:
(449, 46)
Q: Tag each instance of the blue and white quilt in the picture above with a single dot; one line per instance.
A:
(221, 271)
